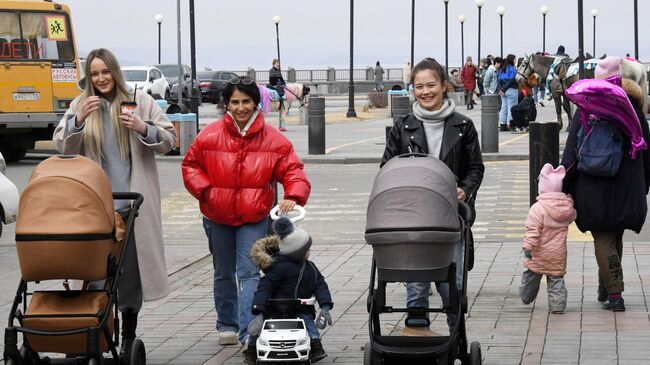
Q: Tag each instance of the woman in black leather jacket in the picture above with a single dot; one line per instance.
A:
(435, 128)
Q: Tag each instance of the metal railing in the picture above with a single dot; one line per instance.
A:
(324, 75)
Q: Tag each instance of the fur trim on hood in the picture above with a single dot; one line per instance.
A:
(263, 251)
(634, 91)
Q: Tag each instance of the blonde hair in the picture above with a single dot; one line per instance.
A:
(94, 130)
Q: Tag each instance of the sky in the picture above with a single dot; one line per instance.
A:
(235, 35)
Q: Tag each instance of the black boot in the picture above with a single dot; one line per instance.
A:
(317, 351)
(129, 324)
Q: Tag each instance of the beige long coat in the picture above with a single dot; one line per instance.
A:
(144, 180)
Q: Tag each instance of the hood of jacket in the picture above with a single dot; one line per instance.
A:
(633, 90)
(264, 251)
(558, 205)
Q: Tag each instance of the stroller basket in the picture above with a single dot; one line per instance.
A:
(67, 227)
(412, 219)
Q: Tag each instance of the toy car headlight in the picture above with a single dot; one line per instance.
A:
(303, 341)
(263, 341)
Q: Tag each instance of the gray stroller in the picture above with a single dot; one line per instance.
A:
(414, 220)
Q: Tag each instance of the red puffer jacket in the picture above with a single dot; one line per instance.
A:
(468, 75)
(232, 176)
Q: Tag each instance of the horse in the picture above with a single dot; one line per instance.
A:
(271, 102)
(562, 79)
(541, 65)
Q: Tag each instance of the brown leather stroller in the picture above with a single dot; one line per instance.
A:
(67, 229)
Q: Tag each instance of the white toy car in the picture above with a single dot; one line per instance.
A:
(8, 197)
(284, 338)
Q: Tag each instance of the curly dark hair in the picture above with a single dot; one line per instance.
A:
(245, 85)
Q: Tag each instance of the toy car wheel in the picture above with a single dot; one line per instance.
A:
(370, 357)
(138, 354)
(475, 354)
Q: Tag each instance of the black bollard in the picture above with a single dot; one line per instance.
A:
(490, 123)
(316, 126)
(544, 147)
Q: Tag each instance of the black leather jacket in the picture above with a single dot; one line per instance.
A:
(460, 149)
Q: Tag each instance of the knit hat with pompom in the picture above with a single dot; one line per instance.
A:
(294, 242)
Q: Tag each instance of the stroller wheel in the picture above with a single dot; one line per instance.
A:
(29, 357)
(138, 354)
(95, 361)
(370, 357)
(475, 354)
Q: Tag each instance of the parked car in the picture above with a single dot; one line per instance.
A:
(171, 74)
(212, 84)
(148, 79)
(8, 197)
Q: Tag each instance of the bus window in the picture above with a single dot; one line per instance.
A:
(45, 36)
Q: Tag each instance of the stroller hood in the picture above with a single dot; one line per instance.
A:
(414, 194)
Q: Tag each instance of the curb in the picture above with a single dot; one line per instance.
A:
(324, 159)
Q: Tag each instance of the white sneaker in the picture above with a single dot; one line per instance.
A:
(228, 338)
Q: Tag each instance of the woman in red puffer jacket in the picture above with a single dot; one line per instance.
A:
(231, 168)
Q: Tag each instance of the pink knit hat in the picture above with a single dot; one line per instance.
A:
(550, 180)
(609, 66)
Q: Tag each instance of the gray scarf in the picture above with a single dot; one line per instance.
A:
(434, 123)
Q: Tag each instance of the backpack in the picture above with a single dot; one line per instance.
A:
(600, 150)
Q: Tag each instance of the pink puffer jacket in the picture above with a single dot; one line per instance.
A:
(547, 227)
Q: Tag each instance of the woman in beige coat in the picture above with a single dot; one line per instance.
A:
(123, 142)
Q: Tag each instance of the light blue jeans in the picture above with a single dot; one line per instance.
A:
(507, 101)
(235, 275)
(417, 293)
(310, 325)
(542, 93)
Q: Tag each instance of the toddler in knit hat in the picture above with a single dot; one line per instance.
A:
(289, 274)
(544, 244)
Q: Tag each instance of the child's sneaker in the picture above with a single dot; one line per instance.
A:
(317, 351)
(615, 304)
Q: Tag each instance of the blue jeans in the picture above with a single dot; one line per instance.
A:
(310, 325)
(507, 101)
(417, 293)
(542, 93)
(233, 270)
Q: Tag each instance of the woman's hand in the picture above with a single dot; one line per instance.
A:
(285, 206)
(501, 93)
(461, 194)
(88, 106)
(133, 121)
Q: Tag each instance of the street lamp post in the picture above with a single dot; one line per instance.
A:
(412, 32)
(276, 20)
(194, 88)
(461, 19)
(351, 113)
(581, 42)
(446, 37)
(594, 13)
(501, 10)
(544, 11)
(480, 4)
(636, 30)
(158, 18)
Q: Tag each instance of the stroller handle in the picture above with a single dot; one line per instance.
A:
(302, 212)
(136, 197)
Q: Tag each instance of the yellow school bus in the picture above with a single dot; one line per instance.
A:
(39, 70)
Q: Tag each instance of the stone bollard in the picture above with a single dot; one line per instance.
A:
(316, 126)
(490, 123)
(544, 147)
(185, 125)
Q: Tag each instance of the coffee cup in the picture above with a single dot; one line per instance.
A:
(129, 106)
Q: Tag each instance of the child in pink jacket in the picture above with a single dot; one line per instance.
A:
(544, 244)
